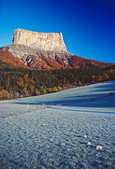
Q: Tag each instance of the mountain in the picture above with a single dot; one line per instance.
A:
(42, 51)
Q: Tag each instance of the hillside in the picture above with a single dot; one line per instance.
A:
(27, 57)
(8, 60)
(110, 68)
(77, 61)
(21, 82)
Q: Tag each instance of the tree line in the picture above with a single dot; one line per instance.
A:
(22, 82)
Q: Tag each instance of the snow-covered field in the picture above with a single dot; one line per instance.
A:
(60, 130)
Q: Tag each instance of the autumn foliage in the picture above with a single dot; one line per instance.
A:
(77, 61)
(20, 82)
(43, 62)
(46, 75)
(7, 57)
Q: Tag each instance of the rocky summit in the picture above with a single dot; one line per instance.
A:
(42, 41)
(42, 51)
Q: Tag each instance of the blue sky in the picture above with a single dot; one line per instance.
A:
(88, 26)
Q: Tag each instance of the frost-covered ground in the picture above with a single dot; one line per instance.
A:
(48, 131)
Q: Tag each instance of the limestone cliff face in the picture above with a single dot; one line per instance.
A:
(42, 41)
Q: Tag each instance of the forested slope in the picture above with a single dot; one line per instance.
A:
(20, 82)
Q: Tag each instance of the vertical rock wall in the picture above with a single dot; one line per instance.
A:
(43, 41)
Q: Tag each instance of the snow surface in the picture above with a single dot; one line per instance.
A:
(48, 131)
